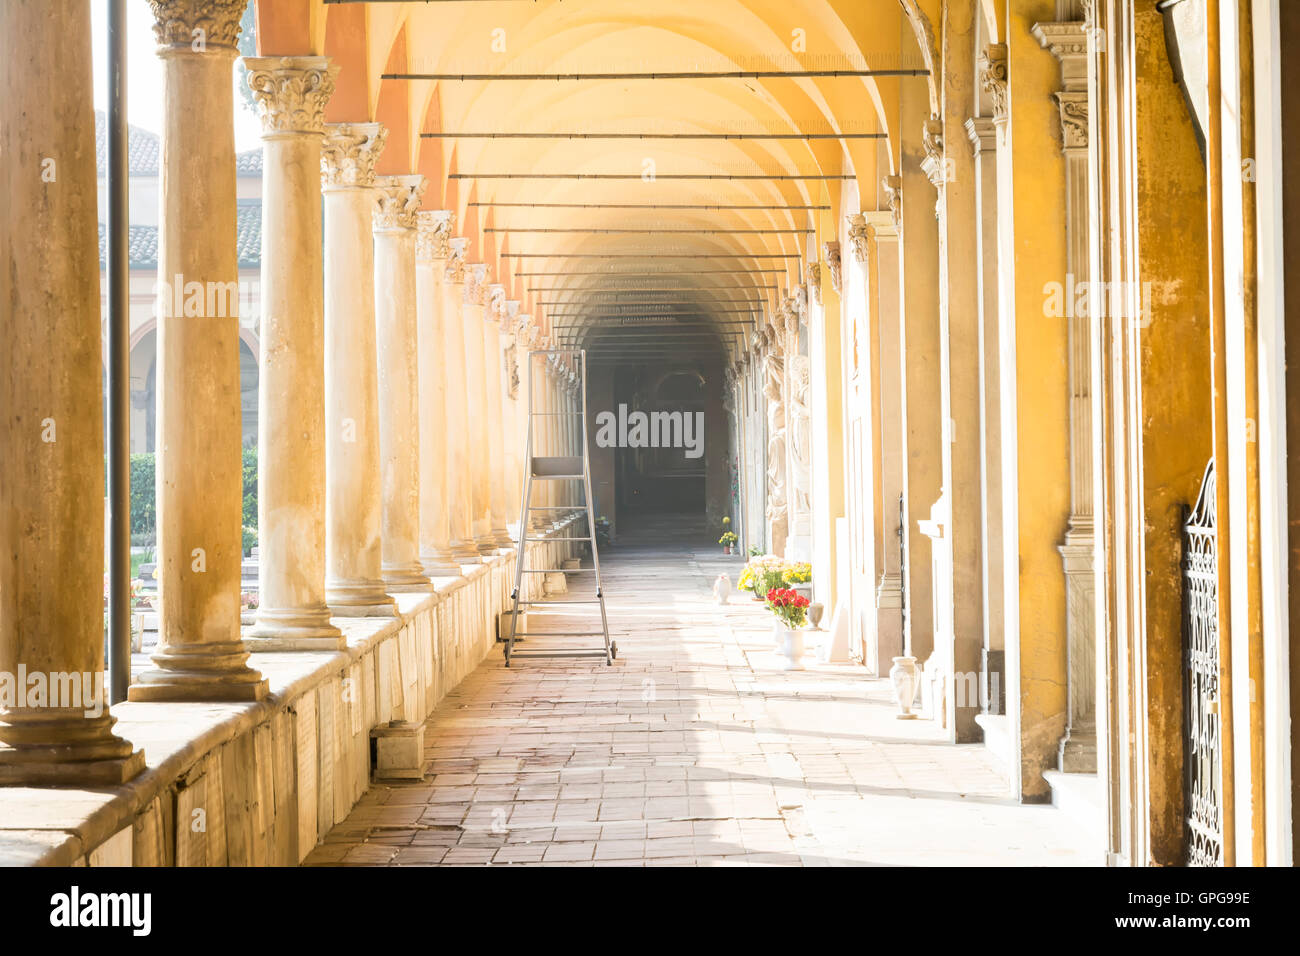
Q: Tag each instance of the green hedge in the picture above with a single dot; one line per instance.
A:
(144, 518)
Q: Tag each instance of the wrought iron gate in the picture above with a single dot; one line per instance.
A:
(1201, 722)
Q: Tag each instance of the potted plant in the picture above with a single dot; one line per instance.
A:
(791, 610)
(760, 575)
(798, 575)
(728, 541)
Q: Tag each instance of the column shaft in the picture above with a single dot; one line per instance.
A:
(396, 331)
(51, 411)
(460, 508)
(291, 614)
(200, 655)
(353, 497)
(431, 250)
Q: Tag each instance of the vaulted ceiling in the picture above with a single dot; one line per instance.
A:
(641, 176)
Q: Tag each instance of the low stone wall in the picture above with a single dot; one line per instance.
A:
(261, 784)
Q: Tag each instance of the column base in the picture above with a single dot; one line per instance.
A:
(359, 599)
(464, 552)
(1078, 752)
(502, 537)
(440, 564)
(62, 747)
(207, 673)
(487, 547)
(294, 630)
(406, 578)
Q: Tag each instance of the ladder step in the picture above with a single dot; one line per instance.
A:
(548, 603)
(559, 634)
(522, 654)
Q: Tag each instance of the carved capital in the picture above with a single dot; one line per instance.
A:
(814, 273)
(476, 284)
(857, 224)
(397, 200)
(1074, 120)
(893, 187)
(457, 246)
(983, 135)
(993, 78)
(291, 92)
(834, 265)
(348, 153)
(197, 26)
(935, 165)
(496, 301)
(433, 234)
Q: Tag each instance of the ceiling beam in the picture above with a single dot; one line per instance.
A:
(690, 136)
(665, 75)
(710, 207)
(676, 177)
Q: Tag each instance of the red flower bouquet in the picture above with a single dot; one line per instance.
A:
(789, 605)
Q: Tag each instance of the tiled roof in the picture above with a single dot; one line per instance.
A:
(144, 247)
(249, 162)
(142, 152)
(248, 231)
(248, 239)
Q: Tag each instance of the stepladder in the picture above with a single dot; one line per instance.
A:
(556, 507)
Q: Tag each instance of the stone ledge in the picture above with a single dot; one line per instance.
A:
(997, 739)
(62, 826)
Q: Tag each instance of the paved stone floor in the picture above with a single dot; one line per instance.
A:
(693, 749)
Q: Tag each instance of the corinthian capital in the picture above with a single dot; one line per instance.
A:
(814, 273)
(433, 234)
(831, 251)
(476, 283)
(291, 91)
(456, 249)
(198, 26)
(857, 224)
(398, 199)
(348, 154)
(993, 78)
(893, 187)
(496, 301)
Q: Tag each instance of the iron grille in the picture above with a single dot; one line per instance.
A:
(1201, 722)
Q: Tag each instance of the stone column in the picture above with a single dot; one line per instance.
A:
(982, 135)
(951, 169)
(396, 340)
(774, 392)
(52, 425)
(798, 416)
(1069, 44)
(459, 440)
(513, 344)
(353, 503)
(494, 318)
(885, 285)
(291, 93)
(432, 247)
(200, 655)
(477, 416)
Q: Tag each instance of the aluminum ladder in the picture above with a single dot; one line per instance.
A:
(567, 463)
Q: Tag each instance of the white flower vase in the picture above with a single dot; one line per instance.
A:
(903, 676)
(790, 646)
